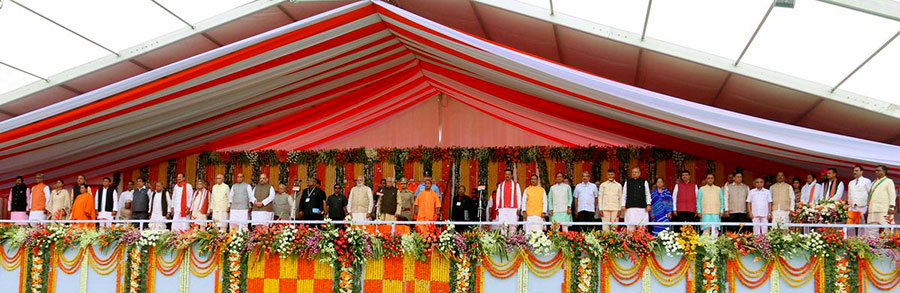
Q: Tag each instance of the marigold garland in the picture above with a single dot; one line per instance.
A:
(791, 274)
(878, 278)
(168, 268)
(668, 277)
(626, 276)
(13, 262)
(70, 266)
(836, 265)
(502, 270)
(105, 266)
(749, 278)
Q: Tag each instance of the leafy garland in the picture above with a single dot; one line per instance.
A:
(170, 172)
(427, 155)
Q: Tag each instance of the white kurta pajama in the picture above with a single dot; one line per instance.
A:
(106, 215)
(157, 212)
(125, 197)
(360, 203)
(509, 197)
(240, 197)
(858, 199)
(181, 195)
(636, 215)
(219, 203)
(534, 207)
(259, 218)
(810, 192)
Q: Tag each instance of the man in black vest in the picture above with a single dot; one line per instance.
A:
(106, 202)
(636, 199)
(76, 190)
(140, 203)
(19, 200)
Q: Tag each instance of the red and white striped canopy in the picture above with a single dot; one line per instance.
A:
(347, 72)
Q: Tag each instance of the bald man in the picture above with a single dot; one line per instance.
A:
(219, 202)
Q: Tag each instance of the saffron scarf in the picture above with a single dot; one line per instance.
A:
(184, 204)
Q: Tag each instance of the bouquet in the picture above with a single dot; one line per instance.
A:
(821, 212)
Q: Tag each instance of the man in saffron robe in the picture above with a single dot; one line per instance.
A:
(427, 208)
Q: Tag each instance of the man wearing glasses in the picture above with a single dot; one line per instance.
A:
(361, 202)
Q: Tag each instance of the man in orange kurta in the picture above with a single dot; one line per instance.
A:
(83, 208)
(427, 208)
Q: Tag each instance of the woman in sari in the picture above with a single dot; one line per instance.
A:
(60, 202)
(662, 205)
(83, 207)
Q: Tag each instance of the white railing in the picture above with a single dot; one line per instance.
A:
(476, 223)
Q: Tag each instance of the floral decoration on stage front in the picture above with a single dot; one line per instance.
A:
(348, 248)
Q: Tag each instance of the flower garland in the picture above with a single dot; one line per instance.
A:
(837, 264)
(842, 276)
(462, 275)
(709, 281)
(585, 275)
(235, 277)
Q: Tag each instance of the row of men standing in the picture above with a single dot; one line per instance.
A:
(635, 200)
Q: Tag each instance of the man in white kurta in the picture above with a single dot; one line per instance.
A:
(610, 199)
(239, 199)
(560, 198)
(782, 200)
(182, 195)
(219, 201)
(262, 210)
(125, 201)
(760, 201)
(882, 199)
(509, 199)
(636, 201)
(832, 188)
(360, 201)
(535, 207)
(107, 202)
(811, 191)
(858, 199)
(160, 201)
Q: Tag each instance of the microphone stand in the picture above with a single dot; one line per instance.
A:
(481, 213)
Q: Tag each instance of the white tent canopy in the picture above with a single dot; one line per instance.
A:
(327, 76)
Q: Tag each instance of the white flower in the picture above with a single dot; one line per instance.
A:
(670, 243)
(540, 243)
